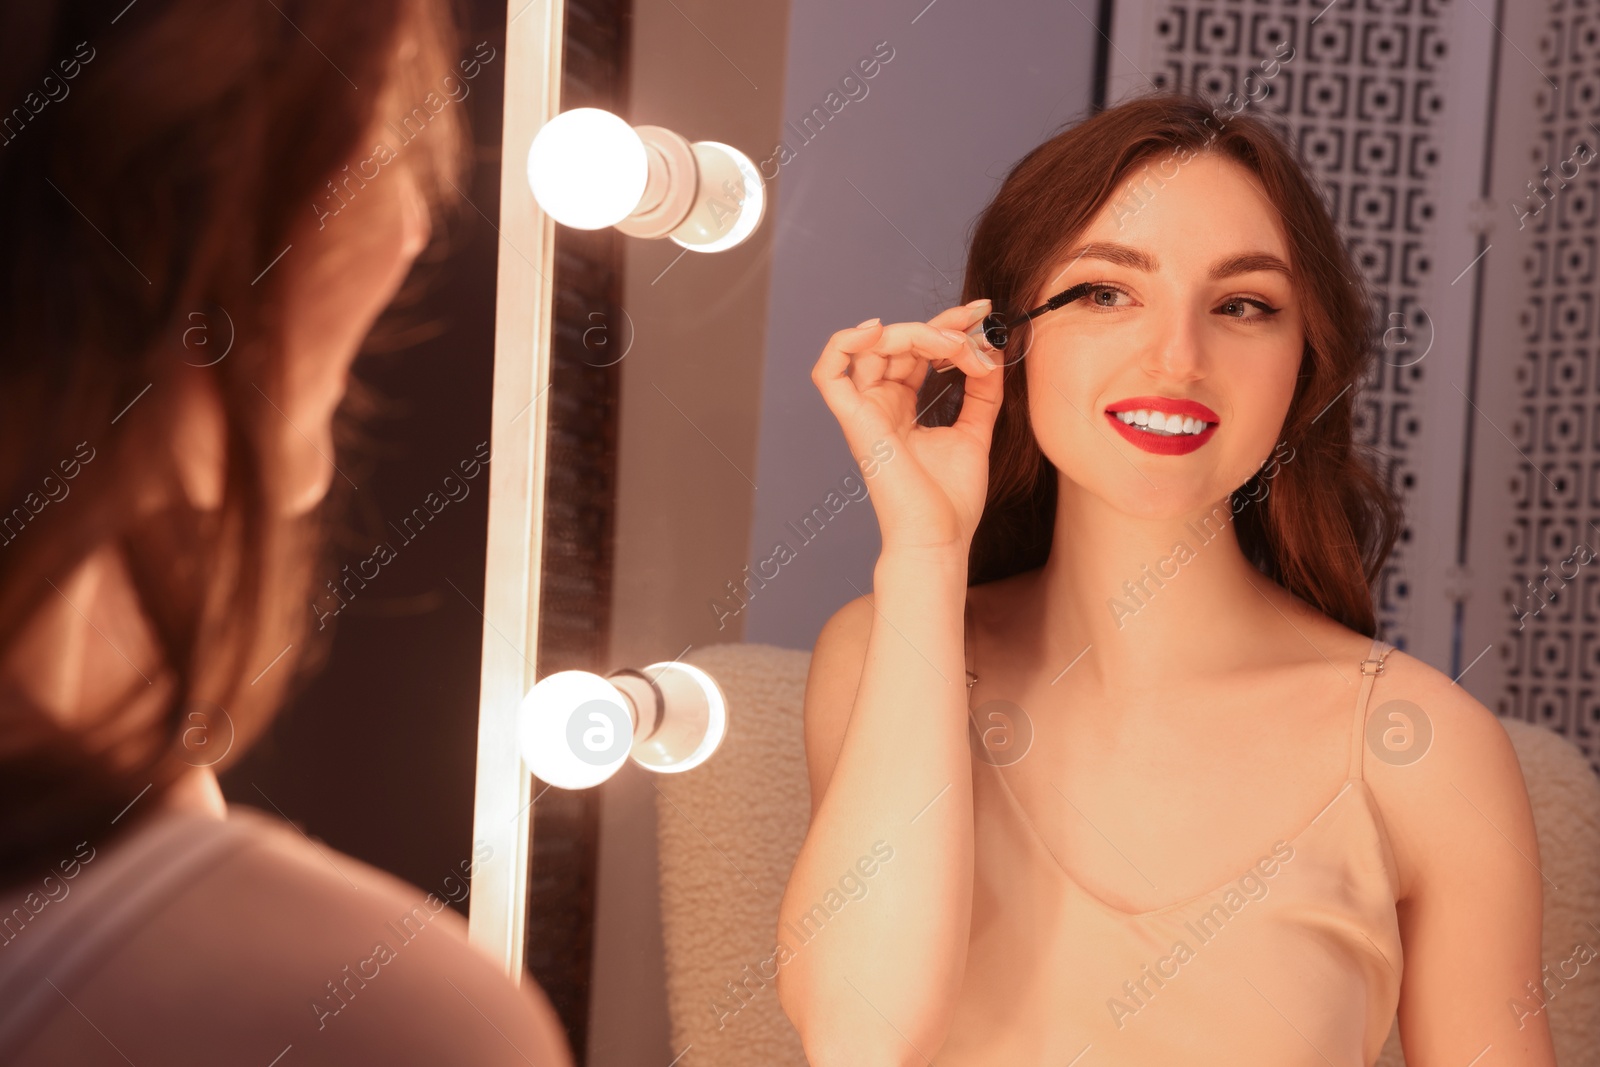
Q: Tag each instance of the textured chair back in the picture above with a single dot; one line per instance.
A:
(729, 832)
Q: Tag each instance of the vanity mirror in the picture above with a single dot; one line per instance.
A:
(672, 486)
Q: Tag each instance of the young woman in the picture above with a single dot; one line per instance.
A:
(203, 208)
(1218, 822)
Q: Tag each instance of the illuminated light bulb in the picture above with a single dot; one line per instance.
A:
(576, 729)
(588, 168)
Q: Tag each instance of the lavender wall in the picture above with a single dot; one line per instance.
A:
(965, 90)
(872, 219)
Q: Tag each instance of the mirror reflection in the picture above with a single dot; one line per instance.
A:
(1133, 503)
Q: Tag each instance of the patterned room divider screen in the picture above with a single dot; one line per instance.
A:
(1427, 123)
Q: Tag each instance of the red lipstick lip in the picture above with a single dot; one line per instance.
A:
(1171, 405)
(1178, 445)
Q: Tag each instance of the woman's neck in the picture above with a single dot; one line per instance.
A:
(197, 791)
(1152, 603)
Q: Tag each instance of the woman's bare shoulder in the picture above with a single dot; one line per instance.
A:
(1439, 764)
(1443, 771)
(282, 941)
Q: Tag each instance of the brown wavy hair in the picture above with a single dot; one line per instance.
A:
(160, 158)
(1327, 526)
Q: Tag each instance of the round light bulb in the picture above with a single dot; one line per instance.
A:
(587, 168)
(574, 729)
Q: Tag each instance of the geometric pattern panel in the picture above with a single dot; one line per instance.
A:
(1355, 89)
(1549, 643)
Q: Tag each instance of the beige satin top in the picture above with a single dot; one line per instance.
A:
(1294, 962)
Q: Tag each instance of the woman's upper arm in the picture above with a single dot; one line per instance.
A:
(1471, 916)
(836, 663)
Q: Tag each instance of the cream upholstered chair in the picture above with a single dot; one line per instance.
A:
(729, 832)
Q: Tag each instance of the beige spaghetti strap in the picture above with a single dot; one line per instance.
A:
(1370, 668)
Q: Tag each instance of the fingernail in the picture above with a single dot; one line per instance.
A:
(869, 322)
(982, 300)
(954, 336)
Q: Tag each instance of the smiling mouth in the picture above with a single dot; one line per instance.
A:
(1161, 424)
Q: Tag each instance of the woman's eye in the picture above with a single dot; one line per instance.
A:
(1104, 295)
(1239, 307)
(1242, 308)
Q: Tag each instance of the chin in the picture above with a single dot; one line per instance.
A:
(305, 501)
(307, 477)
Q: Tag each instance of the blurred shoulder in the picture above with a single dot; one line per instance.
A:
(288, 942)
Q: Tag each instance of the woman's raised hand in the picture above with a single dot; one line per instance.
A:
(929, 495)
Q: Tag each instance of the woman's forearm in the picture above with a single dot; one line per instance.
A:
(876, 984)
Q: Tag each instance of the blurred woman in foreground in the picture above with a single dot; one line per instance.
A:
(264, 174)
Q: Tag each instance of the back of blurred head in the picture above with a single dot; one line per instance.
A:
(203, 208)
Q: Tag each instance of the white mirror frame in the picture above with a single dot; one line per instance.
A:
(501, 817)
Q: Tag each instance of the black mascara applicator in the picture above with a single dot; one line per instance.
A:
(991, 332)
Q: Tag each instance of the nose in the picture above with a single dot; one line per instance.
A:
(1176, 349)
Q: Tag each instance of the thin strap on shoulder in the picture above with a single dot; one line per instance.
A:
(1370, 667)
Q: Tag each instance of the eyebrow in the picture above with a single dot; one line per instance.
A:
(1137, 259)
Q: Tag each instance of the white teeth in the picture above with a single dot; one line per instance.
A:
(1160, 421)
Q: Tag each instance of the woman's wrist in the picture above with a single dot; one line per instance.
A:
(927, 564)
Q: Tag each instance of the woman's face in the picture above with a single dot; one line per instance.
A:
(358, 250)
(356, 264)
(344, 263)
(1167, 333)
